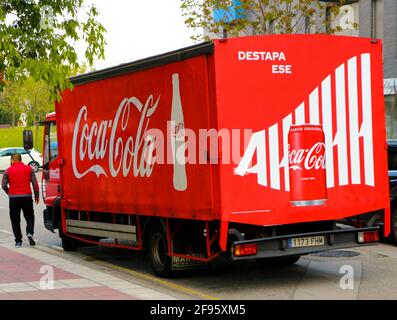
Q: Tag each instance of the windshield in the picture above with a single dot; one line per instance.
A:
(50, 143)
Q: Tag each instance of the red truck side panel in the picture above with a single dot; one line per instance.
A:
(101, 124)
(268, 83)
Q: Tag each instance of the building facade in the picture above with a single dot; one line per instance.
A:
(375, 19)
(378, 19)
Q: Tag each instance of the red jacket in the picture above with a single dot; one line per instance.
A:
(17, 179)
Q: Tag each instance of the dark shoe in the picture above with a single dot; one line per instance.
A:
(31, 240)
(18, 244)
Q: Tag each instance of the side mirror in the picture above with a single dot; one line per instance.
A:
(27, 139)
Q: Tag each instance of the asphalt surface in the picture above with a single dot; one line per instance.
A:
(359, 273)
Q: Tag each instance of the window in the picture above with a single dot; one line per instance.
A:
(391, 115)
(8, 152)
(20, 151)
(392, 158)
(46, 151)
(53, 141)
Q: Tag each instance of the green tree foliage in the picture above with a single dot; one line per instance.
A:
(261, 17)
(37, 40)
(36, 100)
(11, 104)
(30, 97)
(5, 115)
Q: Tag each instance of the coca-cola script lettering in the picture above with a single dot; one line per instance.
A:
(94, 142)
(312, 158)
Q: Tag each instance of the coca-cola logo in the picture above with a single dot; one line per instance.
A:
(93, 142)
(308, 159)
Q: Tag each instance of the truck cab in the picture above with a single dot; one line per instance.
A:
(51, 184)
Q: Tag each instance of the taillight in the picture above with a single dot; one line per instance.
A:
(368, 236)
(245, 249)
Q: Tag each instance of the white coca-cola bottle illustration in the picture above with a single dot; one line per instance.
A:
(178, 137)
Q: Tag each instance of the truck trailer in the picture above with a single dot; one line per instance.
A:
(255, 147)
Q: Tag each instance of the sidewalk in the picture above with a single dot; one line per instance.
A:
(20, 278)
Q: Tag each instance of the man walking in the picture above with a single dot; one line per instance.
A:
(16, 183)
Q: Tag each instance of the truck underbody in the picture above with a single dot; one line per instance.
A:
(177, 244)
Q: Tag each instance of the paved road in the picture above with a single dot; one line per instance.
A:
(372, 271)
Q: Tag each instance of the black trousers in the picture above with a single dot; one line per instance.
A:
(26, 205)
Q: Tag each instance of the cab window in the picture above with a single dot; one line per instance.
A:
(53, 141)
(50, 142)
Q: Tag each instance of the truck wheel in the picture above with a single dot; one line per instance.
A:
(393, 231)
(158, 249)
(279, 261)
(68, 244)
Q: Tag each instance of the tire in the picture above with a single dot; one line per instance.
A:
(279, 261)
(393, 224)
(34, 165)
(157, 251)
(68, 244)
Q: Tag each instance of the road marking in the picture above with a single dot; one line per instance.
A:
(146, 277)
(5, 231)
(88, 274)
(160, 281)
(57, 284)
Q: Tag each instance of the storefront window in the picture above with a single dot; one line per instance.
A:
(391, 115)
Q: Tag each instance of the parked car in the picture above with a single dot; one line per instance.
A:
(376, 218)
(392, 166)
(35, 161)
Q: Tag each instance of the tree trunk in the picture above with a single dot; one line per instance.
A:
(13, 118)
(36, 137)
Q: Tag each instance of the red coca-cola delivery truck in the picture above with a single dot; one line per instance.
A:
(259, 147)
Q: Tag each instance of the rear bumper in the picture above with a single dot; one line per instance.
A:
(277, 246)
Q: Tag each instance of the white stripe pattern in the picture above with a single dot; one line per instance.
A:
(340, 109)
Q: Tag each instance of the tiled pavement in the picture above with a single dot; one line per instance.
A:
(24, 274)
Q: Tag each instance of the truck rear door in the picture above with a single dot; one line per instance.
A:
(265, 85)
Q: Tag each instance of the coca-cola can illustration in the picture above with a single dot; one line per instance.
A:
(306, 158)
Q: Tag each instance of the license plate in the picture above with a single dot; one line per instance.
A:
(306, 242)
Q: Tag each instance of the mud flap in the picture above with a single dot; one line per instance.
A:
(182, 263)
